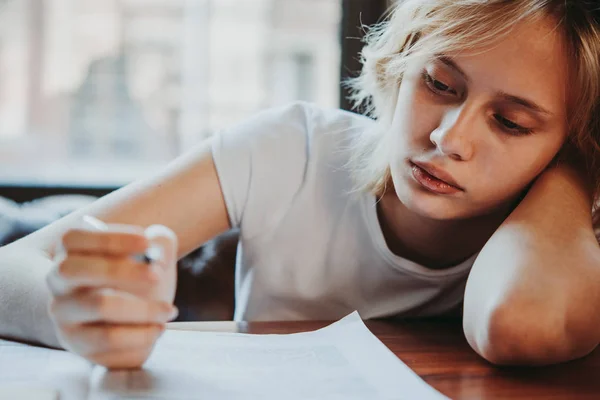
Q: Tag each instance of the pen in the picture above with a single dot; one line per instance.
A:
(151, 255)
(95, 222)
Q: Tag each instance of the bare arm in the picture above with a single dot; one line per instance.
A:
(185, 197)
(533, 296)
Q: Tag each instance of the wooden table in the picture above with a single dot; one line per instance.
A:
(439, 353)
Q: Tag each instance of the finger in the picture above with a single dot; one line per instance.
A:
(118, 242)
(163, 238)
(110, 306)
(92, 340)
(117, 272)
(122, 359)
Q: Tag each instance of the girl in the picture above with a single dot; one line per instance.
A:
(482, 164)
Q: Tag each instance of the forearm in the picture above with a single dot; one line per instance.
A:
(24, 296)
(534, 292)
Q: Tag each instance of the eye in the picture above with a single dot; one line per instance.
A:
(437, 86)
(511, 127)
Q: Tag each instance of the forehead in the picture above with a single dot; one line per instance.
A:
(531, 61)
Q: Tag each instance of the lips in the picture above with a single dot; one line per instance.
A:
(439, 174)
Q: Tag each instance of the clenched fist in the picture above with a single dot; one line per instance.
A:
(110, 305)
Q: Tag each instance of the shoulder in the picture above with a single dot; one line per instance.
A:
(301, 119)
(308, 140)
(290, 137)
(309, 133)
(266, 161)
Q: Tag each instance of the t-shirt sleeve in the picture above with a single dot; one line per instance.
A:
(261, 165)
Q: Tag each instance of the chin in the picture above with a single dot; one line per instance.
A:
(427, 204)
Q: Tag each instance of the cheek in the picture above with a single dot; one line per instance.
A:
(414, 119)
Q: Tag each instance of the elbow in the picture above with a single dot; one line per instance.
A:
(503, 339)
(512, 336)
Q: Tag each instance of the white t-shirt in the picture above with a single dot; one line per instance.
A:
(311, 247)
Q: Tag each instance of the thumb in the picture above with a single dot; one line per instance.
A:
(162, 244)
(163, 253)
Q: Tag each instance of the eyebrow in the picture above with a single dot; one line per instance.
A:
(450, 63)
(503, 95)
(524, 102)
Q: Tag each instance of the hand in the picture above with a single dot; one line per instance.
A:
(107, 306)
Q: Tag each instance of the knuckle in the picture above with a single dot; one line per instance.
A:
(163, 309)
(147, 312)
(104, 265)
(102, 305)
(149, 335)
(142, 275)
(65, 269)
(68, 237)
(106, 240)
(113, 337)
(117, 268)
(135, 243)
(153, 311)
(122, 265)
(106, 336)
(160, 308)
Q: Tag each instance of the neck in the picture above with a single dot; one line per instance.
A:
(433, 243)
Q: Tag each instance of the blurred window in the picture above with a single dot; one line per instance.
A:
(102, 92)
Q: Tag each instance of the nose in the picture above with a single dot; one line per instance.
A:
(452, 137)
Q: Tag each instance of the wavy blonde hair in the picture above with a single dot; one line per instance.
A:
(418, 28)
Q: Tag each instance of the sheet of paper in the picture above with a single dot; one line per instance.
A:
(343, 361)
(39, 373)
(27, 392)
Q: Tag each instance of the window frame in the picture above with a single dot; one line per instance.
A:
(355, 15)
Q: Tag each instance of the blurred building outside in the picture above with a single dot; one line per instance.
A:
(103, 92)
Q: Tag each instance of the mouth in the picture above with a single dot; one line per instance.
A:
(434, 179)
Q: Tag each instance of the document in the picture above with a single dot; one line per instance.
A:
(28, 372)
(343, 361)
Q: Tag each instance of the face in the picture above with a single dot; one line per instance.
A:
(488, 122)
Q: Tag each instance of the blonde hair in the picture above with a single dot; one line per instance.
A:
(424, 28)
